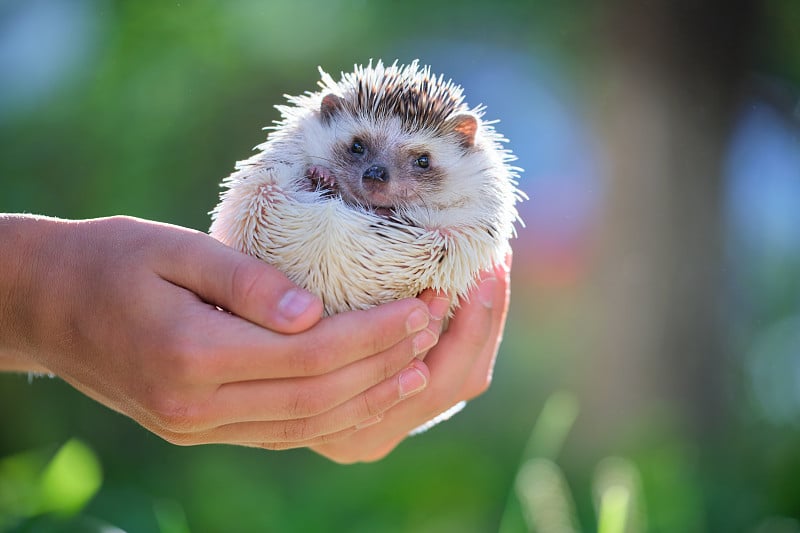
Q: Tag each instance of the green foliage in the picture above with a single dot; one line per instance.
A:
(31, 485)
(71, 478)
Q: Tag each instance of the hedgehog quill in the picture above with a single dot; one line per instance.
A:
(375, 188)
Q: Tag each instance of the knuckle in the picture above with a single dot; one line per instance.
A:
(369, 407)
(279, 446)
(307, 400)
(295, 430)
(376, 343)
(177, 247)
(390, 333)
(174, 414)
(184, 358)
(373, 340)
(315, 359)
(390, 366)
(246, 280)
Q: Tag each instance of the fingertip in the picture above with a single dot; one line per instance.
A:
(439, 307)
(424, 341)
(427, 295)
(295, 302)
(422, 367)
(298, 310)
(417, 316)
(413, 379)
(438, 303)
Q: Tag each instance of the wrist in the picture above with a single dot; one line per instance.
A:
(24, 240)
(17, 362)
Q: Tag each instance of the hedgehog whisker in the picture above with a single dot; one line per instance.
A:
(423, 202)
(326, 159)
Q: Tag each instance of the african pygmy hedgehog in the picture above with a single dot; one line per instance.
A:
(375, 188)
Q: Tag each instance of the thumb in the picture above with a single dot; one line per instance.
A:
(240, 284)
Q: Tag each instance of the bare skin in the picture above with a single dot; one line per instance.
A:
(321, 176)
(128, 312)
(460, 366)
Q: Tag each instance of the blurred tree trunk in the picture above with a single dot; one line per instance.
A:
(670, 82)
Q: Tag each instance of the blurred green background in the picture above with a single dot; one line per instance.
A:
(649, 379)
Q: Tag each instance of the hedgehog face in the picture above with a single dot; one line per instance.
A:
(382, 167)
(382, 164)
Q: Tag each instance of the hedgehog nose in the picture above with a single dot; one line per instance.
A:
(376, 173)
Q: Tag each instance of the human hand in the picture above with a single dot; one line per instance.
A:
(127, 311)
(460, 366)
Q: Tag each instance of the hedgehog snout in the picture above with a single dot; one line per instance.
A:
(376, 173)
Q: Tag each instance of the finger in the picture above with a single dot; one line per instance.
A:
(243, 285)
(316, 441)
(460, 348)
(293, 398)
(355, 412)
(237, 351)
(438, 307)
(342, 449)
(480, 377)
(438, 303)
(467, 335)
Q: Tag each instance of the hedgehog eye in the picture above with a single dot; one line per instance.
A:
(422, 161)
(357, 147)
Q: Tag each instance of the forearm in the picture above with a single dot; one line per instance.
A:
(22, 238)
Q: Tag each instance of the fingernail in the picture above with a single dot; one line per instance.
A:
(417, 321)
(438, 307)
(411, 382)
(486, 292)
(369, 422)
(423, 342)
(295, 302)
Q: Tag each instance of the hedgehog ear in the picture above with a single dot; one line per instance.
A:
(330, 105)
(465, 126)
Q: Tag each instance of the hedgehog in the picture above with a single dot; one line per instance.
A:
(375, 188)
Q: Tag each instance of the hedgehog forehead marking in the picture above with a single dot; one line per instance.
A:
(419, 98)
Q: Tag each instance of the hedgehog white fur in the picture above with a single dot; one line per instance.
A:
(375, 188)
